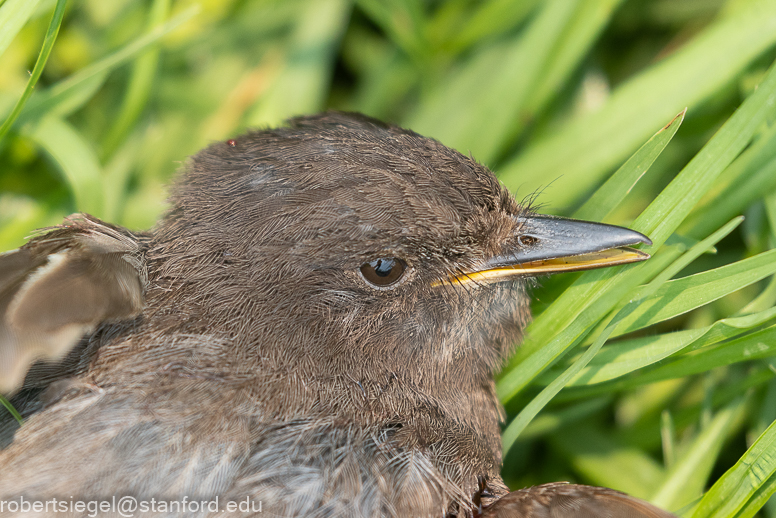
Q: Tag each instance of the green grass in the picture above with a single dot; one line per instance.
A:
(655, 378)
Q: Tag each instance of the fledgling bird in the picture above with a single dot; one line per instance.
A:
(315, 324)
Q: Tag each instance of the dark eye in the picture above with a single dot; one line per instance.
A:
(384, 271)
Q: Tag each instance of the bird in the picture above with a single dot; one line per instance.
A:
(314, 326)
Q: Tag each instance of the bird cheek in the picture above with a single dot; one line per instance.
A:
(509, 313)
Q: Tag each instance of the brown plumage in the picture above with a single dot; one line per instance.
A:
(252, 344)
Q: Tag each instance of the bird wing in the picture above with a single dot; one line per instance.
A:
(61, 285)
(561, 500)
(101, 443)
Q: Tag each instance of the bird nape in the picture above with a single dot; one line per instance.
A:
(313, 328)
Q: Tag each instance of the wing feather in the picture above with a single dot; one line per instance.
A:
(562, 500)
(60, 286)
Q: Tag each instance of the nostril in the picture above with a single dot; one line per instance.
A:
(527, 240)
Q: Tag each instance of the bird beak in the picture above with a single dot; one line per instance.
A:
(549, 244)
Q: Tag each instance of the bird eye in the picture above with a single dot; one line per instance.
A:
(384, 271)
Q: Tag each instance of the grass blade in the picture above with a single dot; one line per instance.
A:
(686, 480)
(48, 44)
(682, 295)
(747, 179)
(139, 87)
(481, 106)
(300, 86)
(760, 344)
(491, 19)
(612, 193)
(42, 104)
(589, 20)
(8, 406)
(587, 147)
(75, 158)
(496, 82)
(741, 482)
(628, 356)
(403, 21)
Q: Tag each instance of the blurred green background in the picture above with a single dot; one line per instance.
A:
(552, 95)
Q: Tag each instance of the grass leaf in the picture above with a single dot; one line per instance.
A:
(743, 481)
(628, 356)
(682, 295)
(43, 103)
(309, 60)
(76, 160)
(585, 148)
(687, 478)
(48, 44)
(8, 406)
(607, 197)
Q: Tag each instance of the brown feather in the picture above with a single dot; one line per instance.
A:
(561, 500)
(60, 286)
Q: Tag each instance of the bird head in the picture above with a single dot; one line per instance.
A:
(344, 246)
